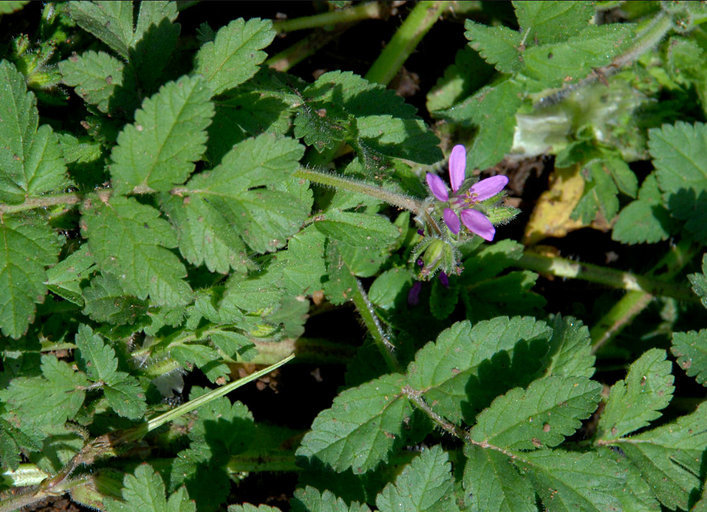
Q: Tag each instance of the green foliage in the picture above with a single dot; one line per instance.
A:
(690, 350)
(144, 490)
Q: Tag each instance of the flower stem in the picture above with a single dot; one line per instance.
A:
(302, 49)
(374, 10)
(406, 38)
(48, 201)
(336, 181)
(370, 320)
(631, 304)
(562, 267)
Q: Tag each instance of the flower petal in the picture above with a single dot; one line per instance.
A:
(437, 186)
(457, 166)
(489, 187)
(478, 223)
(451, 220)
(414, 293)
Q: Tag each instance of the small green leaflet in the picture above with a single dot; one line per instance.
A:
(681, 169)
(111, 22)
(361, 427)
(247, 507)
(12, 6)
(540, 416)
(690, 349)
(31, 163)
(634, 402)
(698, 280)
(65, 277)
(498, 45)
(310, 499)
(358, 229)
(144, 491)
(425, 485)
(106, 301)
(234, 55)
(25, 250)
(131, 241)
(158, 151)
(551, 22)
(645, 220)
(571, 349)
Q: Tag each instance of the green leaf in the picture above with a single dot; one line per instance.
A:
(25, 251)
(498, 45)
(622, 175)
(599, 194)
(467, 367)
(154, 40)
(227, 428)
(263, 217)
(690, 349)
(494, 484)
(12, 6)
(47, 401)
(111, 22)
(158, 151)
(669, 457)
(310, 499)
(361, 427)
(323, 128)
(551, 22)
(234, 55)
(303, 263)
(106, 301)
(642, 222)
(571, 349)
(205, 358)
(635, 401)
(542, 415)
(96, 358)
(573, 482)
(126, 397)
(389, 287)
(13, 443)
(102, 80)
(358, 229)
(130, 241)
(144, 491)
(31, 162)
(65, 277)
(340, 282)
(409, 139)
(699, 281)
(553, 65)
(424, 485)
(468, 73)
(247, 507)
(681, 169)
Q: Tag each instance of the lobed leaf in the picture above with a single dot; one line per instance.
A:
(571, 349)
(111, 22)
(551, 22)
(31, 162)
(699, 281)
(130, 241)
(690, 349)
(65, 277)
(106, 301)
(634, 402)
(96, 358)
(234, 55)
(361, 427)
(310, 499)
(25, 250)
(158, 151)
(499, 45)
(542, 415)
(424, 485)
(358, 229)
(144, 490)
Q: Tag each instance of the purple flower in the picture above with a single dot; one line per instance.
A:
(474, 220)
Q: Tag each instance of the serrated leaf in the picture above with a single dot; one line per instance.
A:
(467, 367)
(669, 457)
(303, 262)
(388, 287)
(494, 484)
(96, 358)
(642, 222)
(144, 491)
(324, 128)
(264, 218)
(31, 162)
(234, 55)
(158, 151)
(681, 169)
(205, 358)
(498, 45)
(12, 6)
(111, 22)
(227, 428)
(131, 241)
(65, 277)
(550, 22)
(25, 250)
(247, 507)
(571, 349)
(622, 175)
(47, 401)
(424, 485)
(361, 427)
(699, 281)
(340, 283)
(574, 482)
(13, 443)
(106, 301)
(154, 40)
(542, 415)
(358, 229)
(102, 80)
(599, 194)
(409, 139)
(690, 349)
(553, 65)
(634, 402)
(126, 397)
(256, 293)
(310, 499)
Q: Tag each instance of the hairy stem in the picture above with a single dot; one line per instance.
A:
(370, 320)
(336, 181)
(48, 201)
(366, 10)
(631, 304)
(562, 267)
(406, 38)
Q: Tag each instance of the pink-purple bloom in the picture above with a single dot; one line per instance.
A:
(474, 220)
